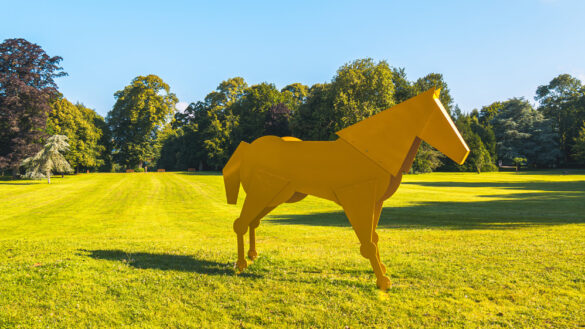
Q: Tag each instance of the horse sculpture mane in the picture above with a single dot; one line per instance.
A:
(358, 171)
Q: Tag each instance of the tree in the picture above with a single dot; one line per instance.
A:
(359, 90)
(298, 93)
(48, 159)
(489, 112)
(26, 87)
(277, 120)
(426, 160)
(141, 110)
(434, 80)
(579, 146)
(203, 132)
(403, 89)
(252, 110)
(479, 158)
(314, 119)
(80, 125)
(522, 132)
(560, 102)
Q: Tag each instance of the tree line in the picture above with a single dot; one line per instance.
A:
(143, 129)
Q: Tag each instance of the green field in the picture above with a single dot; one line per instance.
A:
(148, 250)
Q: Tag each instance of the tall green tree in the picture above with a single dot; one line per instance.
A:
(522, 132)
(203, 132)
(80, 125)
(277, 121)
(141, 110)
(487, 113)
(298, 92)
(479, 158)
(314, 119)
(435, 80)
(560, 101)
(49, 159)
(403, 88)
(254, 109)
(359, 90)
(27, 86)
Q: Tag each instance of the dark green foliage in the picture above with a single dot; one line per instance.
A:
(563, 102)
(257, 104)
(427, 159)
(358, 90)
(206, 134)
(489, 112)
(579, 146)
(314, 118)
(277, 120)
(523, 132)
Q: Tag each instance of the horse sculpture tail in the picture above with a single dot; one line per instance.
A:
(231, 173)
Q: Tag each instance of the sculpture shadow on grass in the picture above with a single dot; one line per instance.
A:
(534, 203)
(166, 262)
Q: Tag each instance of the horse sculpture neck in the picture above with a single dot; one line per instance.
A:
(388, 137)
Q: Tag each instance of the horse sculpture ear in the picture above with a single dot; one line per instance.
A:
(437, 93)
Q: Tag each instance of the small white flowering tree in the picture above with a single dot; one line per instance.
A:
(48, 159)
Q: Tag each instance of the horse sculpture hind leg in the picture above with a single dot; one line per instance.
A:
(375, 238)
(252, 254)
(359, 203)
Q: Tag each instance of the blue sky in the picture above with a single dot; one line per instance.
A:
(487, 50)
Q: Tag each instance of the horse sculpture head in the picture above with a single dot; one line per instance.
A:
(441, 133)
(388, 136)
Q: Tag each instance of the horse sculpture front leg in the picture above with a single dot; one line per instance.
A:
(359, 203)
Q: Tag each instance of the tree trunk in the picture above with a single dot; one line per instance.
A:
(15, 171)
(49, 176)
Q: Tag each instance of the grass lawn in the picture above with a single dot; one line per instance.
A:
(157, 249)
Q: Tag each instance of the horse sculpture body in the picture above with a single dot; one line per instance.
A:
(358, 171)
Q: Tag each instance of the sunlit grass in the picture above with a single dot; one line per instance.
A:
(157, 249)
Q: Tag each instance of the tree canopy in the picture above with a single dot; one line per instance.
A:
(27, 86)
(141, 110)
(143, 126)
(84, 129)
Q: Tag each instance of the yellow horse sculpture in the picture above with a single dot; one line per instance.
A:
(358, 171)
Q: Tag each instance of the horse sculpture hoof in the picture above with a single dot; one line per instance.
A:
(252, 254)
(384, 283)
(242, 264)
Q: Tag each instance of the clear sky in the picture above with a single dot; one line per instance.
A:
(487, 50)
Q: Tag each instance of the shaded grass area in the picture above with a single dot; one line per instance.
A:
(157, 250)
(519, 205)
